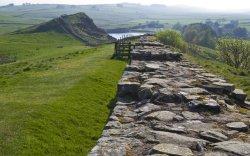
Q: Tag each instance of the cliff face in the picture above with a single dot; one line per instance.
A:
(78, 25)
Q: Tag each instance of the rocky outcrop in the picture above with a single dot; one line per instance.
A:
(169, 106)
(79, 25)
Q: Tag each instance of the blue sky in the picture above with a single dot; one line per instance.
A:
(223, 5)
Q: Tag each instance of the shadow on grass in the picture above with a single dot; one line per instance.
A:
(111, 106)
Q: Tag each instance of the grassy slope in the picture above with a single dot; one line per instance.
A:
(54, 100)
(209, 60)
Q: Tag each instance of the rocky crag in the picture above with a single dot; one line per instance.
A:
(79, 25)
(169, 106)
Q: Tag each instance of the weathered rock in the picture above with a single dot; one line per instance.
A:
(246, 104)
(178, 118)
(192, 116)
(206, 105)
(134, 68)
(158, 155)
(239, 95)
(209, 75)
(159, 76)
(126, 120)
(231, 132)
(188, 97)
(234, 147)
(220, 87)
(123, 111)
(149, 67)
(194, 105)
(213, 136)
(216, 154)
(196, 125)
(167, 96)
(172, 150)
(113, 125)
(212, 105)
(167, 137)
(111, 132)
(194, 91)
(239, 126)
(161, 116)
(128, 88)
(145, 91)
(173, 128)
(112, 146)
(158, 82)
(149, 107)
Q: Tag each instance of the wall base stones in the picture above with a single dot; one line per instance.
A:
(168, 106)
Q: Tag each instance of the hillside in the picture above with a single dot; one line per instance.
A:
(78, 25)
(51, 93)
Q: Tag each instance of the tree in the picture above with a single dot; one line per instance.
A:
(200, 34)
(235, 52)
(172, 38)
(240, 32)
(178, 27)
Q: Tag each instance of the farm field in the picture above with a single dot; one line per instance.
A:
(55, 94)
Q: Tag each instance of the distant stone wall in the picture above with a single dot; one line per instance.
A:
(168, 106)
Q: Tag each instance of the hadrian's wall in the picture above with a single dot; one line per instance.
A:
(169, 106)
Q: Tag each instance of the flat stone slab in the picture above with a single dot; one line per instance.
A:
(162, 116)
(216, 154)
(192, 115)
(167, 137)
(172, 128)
(167, 96)
(246, 104)
(220, 87)
(194, 91)
(145, 91)
(196, 125)
(152, 66)
(234, 147)
(239, 95)
(147, 108)
(128, 88)
(158, 81)
(213, 136)
(172, 149)
(239, 126)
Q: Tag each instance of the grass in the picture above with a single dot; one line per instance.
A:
(55, 98)
(209, 59)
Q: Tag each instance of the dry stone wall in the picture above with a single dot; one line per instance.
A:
(169, 106)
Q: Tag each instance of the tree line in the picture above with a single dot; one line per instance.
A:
(206, 34)
(234, 52)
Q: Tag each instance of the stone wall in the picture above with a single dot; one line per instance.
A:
(169, 106)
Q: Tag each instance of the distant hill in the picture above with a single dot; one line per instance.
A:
(78, 25)
(112, 16)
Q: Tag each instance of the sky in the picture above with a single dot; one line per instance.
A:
(219, 5)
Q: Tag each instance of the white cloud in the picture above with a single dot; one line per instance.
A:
(209, 4)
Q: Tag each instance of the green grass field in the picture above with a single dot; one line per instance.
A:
(209, 59)
(55, 98)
